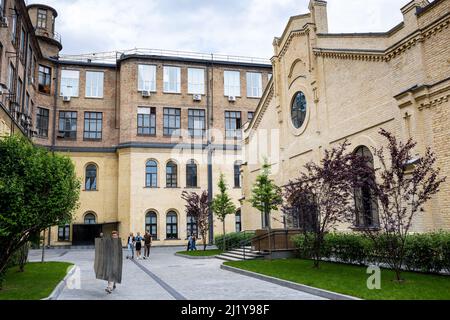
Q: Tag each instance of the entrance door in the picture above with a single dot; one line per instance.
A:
(85, 234)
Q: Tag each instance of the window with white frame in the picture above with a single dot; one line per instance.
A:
(254, 85)
(94, 84)
(172, 79)
(69, 83)
(146, 77)
(232, 83)
(196, 81)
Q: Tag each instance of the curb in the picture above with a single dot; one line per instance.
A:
(61, 285)
(194, 257)
(292, 285)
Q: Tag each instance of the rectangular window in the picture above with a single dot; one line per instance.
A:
(19, 93)
(64, 233)
(22, 44)
(232, 83)
(69, 83)
(14, 26)
(33, 69)
(250, 115)
(42, 122)
(196, 122)
(94, 84)
(11, 74)
(237, 175)
(45, 75)
(42, 19)
(233, 124)
(254, 85)
(68, 124)
(93, 125)
(196, 81)
(146, 77)
(27, 103)
(172, 120)
(146, 121)
(29, 64)
(172, 79)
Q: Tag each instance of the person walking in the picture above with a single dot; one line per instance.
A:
(108, 260)
(138, 240)
(189, 243)
(130, 244)
(193, 240)
(147, 244)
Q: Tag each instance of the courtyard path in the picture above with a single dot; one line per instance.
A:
(165, 277)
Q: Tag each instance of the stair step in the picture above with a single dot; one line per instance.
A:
(227, 258)
(247, 253)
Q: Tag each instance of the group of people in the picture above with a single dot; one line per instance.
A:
(135, 243)
(191, 243)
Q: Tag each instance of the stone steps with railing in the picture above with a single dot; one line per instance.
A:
(238, 254)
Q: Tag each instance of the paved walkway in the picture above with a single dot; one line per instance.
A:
(167, 277)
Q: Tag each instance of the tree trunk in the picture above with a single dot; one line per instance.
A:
(43, 247)
(224, 240)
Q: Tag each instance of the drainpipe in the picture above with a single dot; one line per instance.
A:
(209, 149)
(55, 100)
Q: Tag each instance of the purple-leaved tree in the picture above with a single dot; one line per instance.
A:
(197, 206)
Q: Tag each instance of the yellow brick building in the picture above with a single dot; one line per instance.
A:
(329, 87)
(135, 123)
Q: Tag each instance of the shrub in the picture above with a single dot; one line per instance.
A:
(232, 240)
(429, 252)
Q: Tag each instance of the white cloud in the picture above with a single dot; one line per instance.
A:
(233, 27)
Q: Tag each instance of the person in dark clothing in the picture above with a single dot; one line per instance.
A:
(147, 244)
(138, 240)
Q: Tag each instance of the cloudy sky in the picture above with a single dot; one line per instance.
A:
(235, 27)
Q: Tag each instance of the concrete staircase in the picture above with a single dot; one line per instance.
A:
(238, 254)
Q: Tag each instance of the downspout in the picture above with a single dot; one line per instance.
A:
(55, 101)
(209, 150)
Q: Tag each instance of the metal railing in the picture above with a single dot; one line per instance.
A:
(113, 56)
(45, 33)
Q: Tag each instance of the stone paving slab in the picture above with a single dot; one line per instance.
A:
(166, 277)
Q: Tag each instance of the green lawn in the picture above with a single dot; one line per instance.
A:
(201, 253)
(351, 280)
(36, 282)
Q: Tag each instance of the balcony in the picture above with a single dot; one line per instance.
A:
(51, 35)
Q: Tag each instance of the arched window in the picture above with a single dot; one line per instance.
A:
(192, 228)
(365, 202)
(191, 174)
(171, 225)
(151, 224)
(89, 218)
(151, 174)
(298, 109)
(171, 175)
(91, 178)
(238, 221)
(237, 174)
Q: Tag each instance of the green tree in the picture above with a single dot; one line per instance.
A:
(222, 205)
(266, 195)
(38, 190)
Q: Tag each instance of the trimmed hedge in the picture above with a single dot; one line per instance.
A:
(428, 252)
(232, 240)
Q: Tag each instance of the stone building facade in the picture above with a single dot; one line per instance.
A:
(135, 124)
(330, 87)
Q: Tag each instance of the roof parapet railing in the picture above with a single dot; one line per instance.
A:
(113, 56)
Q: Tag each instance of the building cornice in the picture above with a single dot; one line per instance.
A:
(262, 106)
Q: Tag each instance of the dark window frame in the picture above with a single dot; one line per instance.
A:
(191, 174)
(299, 108)
(233, 124)
(237, 174)
(151, 178)
(172, 225)
(68, 118)
(44, 79)
(171, 115)
(151, 223)
(195, 117)
(93, 125)
(42, 117)
(142, 119)
(90, 217)
(238, 221)
(91, 177)
(191, 226)
(64, 233)
(42, 15)
(172, 176)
